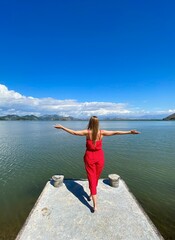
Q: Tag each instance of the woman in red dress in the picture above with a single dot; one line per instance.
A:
(94, 155)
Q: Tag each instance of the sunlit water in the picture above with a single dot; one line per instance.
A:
(31, 152)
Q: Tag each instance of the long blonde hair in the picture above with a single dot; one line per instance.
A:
(94, 127)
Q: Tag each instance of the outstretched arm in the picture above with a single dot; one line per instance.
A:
(73, 132)
(111, 133)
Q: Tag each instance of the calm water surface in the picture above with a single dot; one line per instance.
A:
(31, 152)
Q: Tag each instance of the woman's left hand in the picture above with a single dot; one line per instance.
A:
(59, 126)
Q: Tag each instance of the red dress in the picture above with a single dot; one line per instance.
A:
(94, 162)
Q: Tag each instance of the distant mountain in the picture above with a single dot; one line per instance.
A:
(56, 118)
(35, 118)
(153, 117)
(170, 117)
(134, 118)
(69, 118)
(16, 117)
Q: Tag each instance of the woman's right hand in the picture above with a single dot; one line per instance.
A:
(134, 132)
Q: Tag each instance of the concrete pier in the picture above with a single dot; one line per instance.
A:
(65, 213)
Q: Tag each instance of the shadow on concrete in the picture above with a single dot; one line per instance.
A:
(106, 181)
(52, 182)
(78, 191)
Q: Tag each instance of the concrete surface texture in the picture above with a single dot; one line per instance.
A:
(65, 213)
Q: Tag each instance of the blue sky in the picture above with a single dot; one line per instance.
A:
(82, 58)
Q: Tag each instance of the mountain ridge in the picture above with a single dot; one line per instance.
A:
(170, 117)
(35, 118)
(55, 117)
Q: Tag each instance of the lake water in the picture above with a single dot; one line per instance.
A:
(31, 152)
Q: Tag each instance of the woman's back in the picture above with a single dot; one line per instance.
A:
(94, 145)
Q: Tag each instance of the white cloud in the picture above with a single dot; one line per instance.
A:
(12, 102)
(6, 94)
